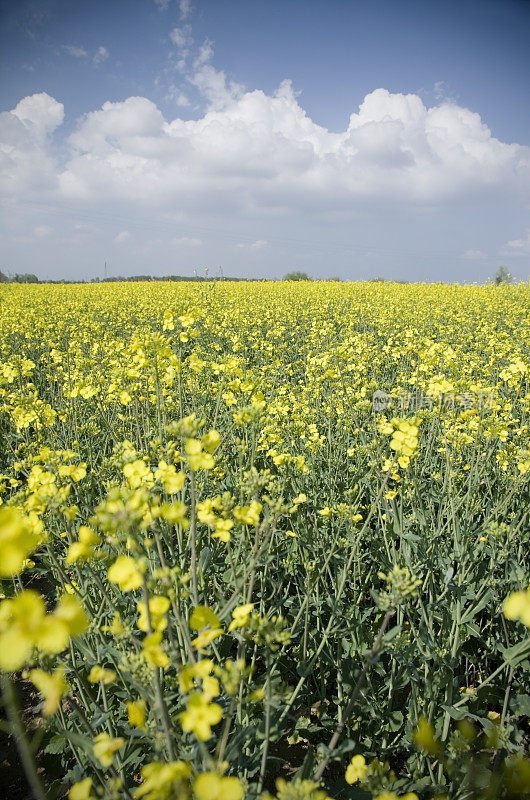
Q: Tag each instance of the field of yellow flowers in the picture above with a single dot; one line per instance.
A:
(266, 540)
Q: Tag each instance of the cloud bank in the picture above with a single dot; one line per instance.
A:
(256, 151)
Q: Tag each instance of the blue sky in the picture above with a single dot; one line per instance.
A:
(351, 139)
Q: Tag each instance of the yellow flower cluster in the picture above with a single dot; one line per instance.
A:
(25, 625)
(19, 537)
(404, 440)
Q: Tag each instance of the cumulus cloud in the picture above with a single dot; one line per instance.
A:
(255, 152)
(39, 113)
(269, 148)
(27, 167)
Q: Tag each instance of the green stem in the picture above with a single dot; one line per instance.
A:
(157, 682)
(193, 539)
(265, 750)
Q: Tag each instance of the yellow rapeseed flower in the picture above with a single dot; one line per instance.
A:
(356, 770)
(17, 541)
(51, 686)
(81, 790)
(200, 715)
(173, 481)
(24, 625)
(105, 746)
(213, 786)
(125, 573)
(197, 457)
(153, 653)
(187, 675)
(101, 675)
(517, 606)
(163, 781)
(137, 713)
(202, 616)
(241, 616)
(138, 474)
(249, 515)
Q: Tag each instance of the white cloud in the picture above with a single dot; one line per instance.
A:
(100, 55)
(204, 54)
(75, 51)
(39, 113)
(176, 95)
(259, 244)
(42, 230)
(185, 8)
(211, 83)
(84, 227)
(181, 37)
(257, 152)
(268, 147)
(122, 236)
(473, 255)
(440, 90)
(186, 241)
(518, 247)
(443, 92)
(27, 167)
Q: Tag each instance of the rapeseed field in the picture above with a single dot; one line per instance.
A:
(266, 539)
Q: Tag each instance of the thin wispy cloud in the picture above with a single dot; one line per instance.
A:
(474, 255)
(518, 247)
(259, 244)
(184, 7)
(100, 55)
(186, 241)
(75, 51)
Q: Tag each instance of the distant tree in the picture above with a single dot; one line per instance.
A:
(25, 277)
(3, 278)
(296, 276)
(502, 275)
